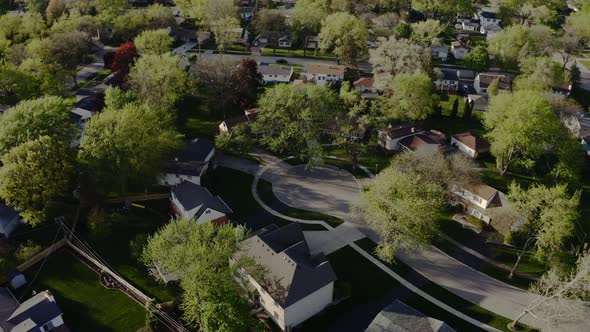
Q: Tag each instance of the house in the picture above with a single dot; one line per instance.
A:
(463, 74)
(185, 35)
(365, 85)
(390, 138)
(266, 38)
(449, 82)
(488, 18)
(398, 316)
(470, 144)
(490, 30)
(16, 279)
(321, 74)
(285, 41)
(313, 42)
(426, 142)
(470, 26)
(9, 220)
(249, 116)
(246, 12)
(192, 201)
(478, 102)
(483, 80)
(190, 165)
(440, 52)
(238, 35)
(275, 74)
(463, 18)
(297, 285)
(38, 313)
(565, 89)
(459, 50)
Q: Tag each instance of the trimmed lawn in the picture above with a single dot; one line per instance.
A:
(195, 119)
(374, 158)
(116, 249)
(371, 290)
(585, 63)
(86, 304)
(268, 51)
(234, 188)
(440, 293)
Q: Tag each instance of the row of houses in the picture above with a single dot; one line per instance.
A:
(484, 21)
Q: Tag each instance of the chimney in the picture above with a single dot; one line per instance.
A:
(49, 296)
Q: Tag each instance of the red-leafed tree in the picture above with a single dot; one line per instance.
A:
(248, 80)
(123, 59)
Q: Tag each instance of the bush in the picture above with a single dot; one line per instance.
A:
(136, 245)
(508, 238)
(27, 250)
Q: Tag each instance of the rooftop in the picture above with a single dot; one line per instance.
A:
(314, 68)
(36, 311)
(403, 130)
(191, 196)
(266, 69)
(365, 82)
(197, 149)
(399, 317)
(473, 142)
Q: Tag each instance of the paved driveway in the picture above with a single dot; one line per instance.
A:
(325, 189)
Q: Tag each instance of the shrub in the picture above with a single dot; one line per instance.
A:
(136, 245)
(508, 238)
(27, 250)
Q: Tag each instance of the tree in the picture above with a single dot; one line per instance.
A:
(455, 108)
(306, 19)
(129, 24)
(158, 81)
(425, 32)
(239, 141)
(124, 57)
(68, 50)
(206, 12)
(540, 74)
(222, 29)
(35, 5)
(127, 147)
(271, 22)
(199, 255)
(352, 124)
(410, 98)
(31, 119)
(153, 42)
(575, 74)
(468, 109)
(563, 296)
(521, 125)
(577, 24)
(568, 46)
(219, 75)
(397, 56)
(445, 9)
(494, 87)
(54, 10)
(34, 174)
(403, 202)
(515, 43)
(477, 59)
(402, 31)
(291, 118)
(18, 83)
(247, 82)
(347, 35)
(549, 214)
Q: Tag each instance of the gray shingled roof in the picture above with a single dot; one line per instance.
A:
(196, 150)
(191, 195)
(265, 69)
(293, 273)
(8, 305)
(194, 168)
(399, 317)
(38, 309)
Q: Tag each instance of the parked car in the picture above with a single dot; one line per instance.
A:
(282, 61)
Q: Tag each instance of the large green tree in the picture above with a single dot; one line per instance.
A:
(291, 119)
(34, 174)
(549, 215)
(521, 126)
(539, 74)
(31, 119)
(404, 201)
(127, 147)
(153, 42)
(410, 97)
(477, 59)
(515, 43)
(306, 19)
(199, 255)
(443, 8)
(207, 12)
(158, 81)
(347, 35)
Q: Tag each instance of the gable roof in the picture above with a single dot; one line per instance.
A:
(489, 15)
(197, 149)
(191, 195)
(482, 190)
(485, 79)
(431, 140)
(36, 311)
(293, 273)
(399, 317)
(457, 44)
(402, 130)
(473, 142)
(320, 68)
(365, 82)
(266, 69)
(236, 120)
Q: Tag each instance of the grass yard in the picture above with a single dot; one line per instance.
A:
(371, 290)
(94, 79)
(440, 293)
(86, 304)
(195, 119)
(268, 51)
(585, 63)
(234, 188)
(116, 248)
(374, 158)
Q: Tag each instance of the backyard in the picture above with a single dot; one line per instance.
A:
(86, 304)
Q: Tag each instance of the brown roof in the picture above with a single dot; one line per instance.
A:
(318, 68)
(484, 191)
(403, 130)
(431, 139)
(485, 79)
(364, 82)
(236, 120)
(475, 143)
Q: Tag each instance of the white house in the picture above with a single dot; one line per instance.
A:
(440, 52)
(196, 202)
(490, 30)
(9, 220)
(285, 41)
(488, 18)
(313, 42)
(470, 26)
(427, 142)
(470, 144)
(477, 199)
(190, 165)
(321, 74)
(298, 284)
(483, 80)
(390, 138)
(459, 50)
(38, 313)
(275, 74)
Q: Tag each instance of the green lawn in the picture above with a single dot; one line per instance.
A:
(195, 119)
(268, 196)
(94, 79)
(86, 304)
(115, 246)
(585, 63)
(268, 51)
(441, 293)
(374, 158)
(234, 188)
